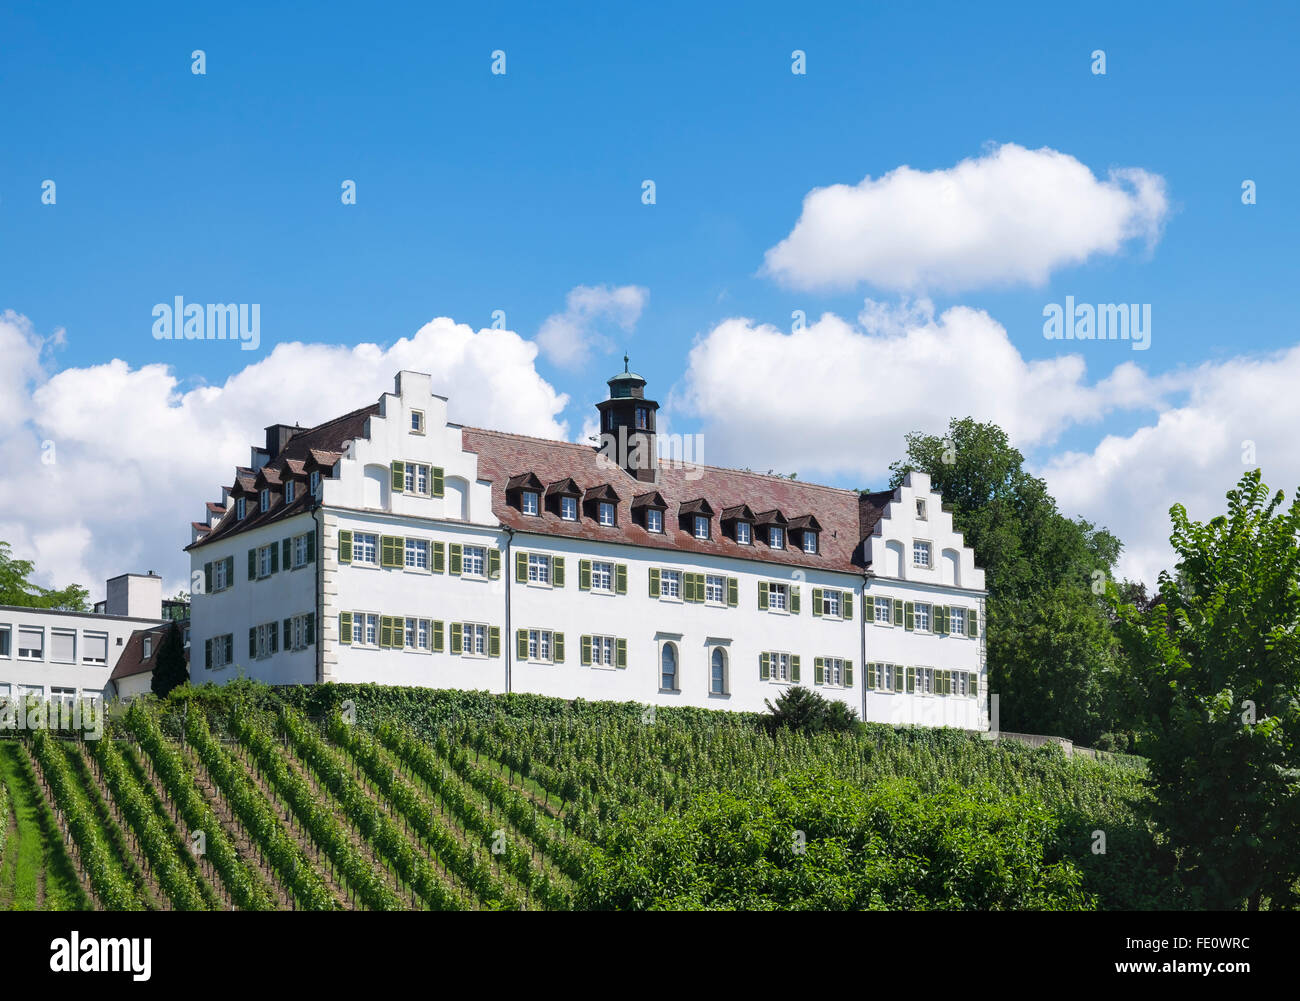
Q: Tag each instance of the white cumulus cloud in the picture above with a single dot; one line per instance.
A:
(1010, 216)
(567, 338)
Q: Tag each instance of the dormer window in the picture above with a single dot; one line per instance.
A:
(289, 492)
(569, 508)
(654, 521)
(529, 502)
(776, 537)
(315, 484)
(742, 533)
(240, 509)
(605, 514)
(417, 422)
(701, 528)
(810, 542)
(920, 508)
(265, 496)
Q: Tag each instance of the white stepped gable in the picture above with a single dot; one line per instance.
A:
(891, 547)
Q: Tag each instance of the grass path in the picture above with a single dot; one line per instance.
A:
(36, 873)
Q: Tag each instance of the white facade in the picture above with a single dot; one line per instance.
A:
(738, 627)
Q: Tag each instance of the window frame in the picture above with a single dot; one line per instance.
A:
(723, 688)
(700, 527)
(476, 555)
(604, 508)
(922, 546)
(413, 547)
(417, 422)
(664, 648)
(543, 564)
(877, 603)
(917, 606)
(568, 508)
(654, 521)
(775, 537)
(748, 532)
(533, 510)
(670, 593)
(775, 587)
(809, 538)
(721, 579)
(607, 574)
(264, 499)
(18, 647)
(360, 546)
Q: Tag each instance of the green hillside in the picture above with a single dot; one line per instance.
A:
(359, 797)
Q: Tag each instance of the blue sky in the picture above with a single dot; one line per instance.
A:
(479, 192)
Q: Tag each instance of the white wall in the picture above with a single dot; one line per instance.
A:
(46, 673)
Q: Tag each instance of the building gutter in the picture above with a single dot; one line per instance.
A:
(507, 575)
(867, 577)
(318, 519)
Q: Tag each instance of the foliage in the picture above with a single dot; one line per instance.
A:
(802, 709)
(1217, 684)
(1039, 568)
(170, 669)
(17, 589)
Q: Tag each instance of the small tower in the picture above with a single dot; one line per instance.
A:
(627, 425)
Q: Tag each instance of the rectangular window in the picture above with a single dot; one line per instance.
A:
(288, 492)
(146, 647)
(715, 589)
(220, 579)
(959, 682)
(778, 597)
(372, 630)
(920, 509)
(602, 576)
(529, 501)
(417, 554)
(701, 527)
(776, 538)
(602, 651)
(539, 644)
(222, 651)
(417, 422)
(63, 646)
(299, 551)
(266, 498)
(957, 621)
(742, 533)
(883, 611)
(358, 628)
(569, 508)
(810, 542)
(265, 640)
(473, 561)
(475, 638)
(833, 671)
(6, 639)
(831, 603)
(94, 648)
(239, 508)
(315, 483)
(364, 548)
(539, 568)
(670, 583)
(925, 680)
(922, 616)
(408, 634)
(780, 666)
(422, 634)
(642, 418)
(31, 643)
(884, 677)
(606, 513)
(654, 520)
(417, 478)
(920, 554)
(264, 556)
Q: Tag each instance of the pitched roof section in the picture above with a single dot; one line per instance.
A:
(505, 456)
(319, 443)
(871, 508)
(132, 660)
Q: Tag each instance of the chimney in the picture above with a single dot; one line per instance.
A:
(277, 436)
(134, 594)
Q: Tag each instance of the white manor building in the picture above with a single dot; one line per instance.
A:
(391, 546)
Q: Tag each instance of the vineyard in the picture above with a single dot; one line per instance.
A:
(398, 799)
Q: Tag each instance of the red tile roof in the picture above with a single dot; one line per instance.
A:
(132, 661)
(503, 457)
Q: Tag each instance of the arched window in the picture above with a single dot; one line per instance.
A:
(718, 672)
(668, 663)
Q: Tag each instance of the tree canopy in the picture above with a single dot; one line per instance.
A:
(16, 587)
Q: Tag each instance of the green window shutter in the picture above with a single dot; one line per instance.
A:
(288, 632)
(794, 599)
(819, 671)
(896, 609)
(311, 546)
(494, 563)
(898, 678)
(817, 601)
(620, 652)
(286, 554)
(846, 603)
(972, 623)
(345, 546)
(871, 675)
(973, 684)
(654, 582)
(252, 564)
(230, 571)
(764, 666)
(733, 592)
(794, 667)
(438, 481)
(275, 558)
(396, 551)
(584, 575)
(454, 559)
(252, 641)
(439, 557)
(941, 613)
(521, 567)
(309, 632)
(207, 653)
(207, 578)
(398, 479)
(848, 673)
(586, 651)
(762, 595)
(620, 578)
(911, 679)
(909, 612)
(437, 636)
(455, 637)
(494, 641)
(521, 644)
(557, 647)
(557, 571)
(385, 631)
